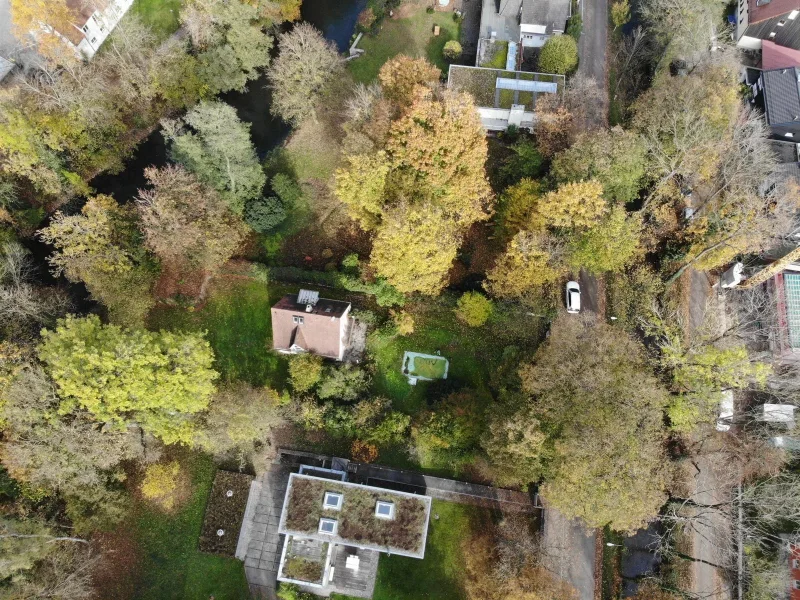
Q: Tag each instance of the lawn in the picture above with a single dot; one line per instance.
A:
(171, 565)
(160, 15)
(440, 574)
(412, 36)
(239, 324)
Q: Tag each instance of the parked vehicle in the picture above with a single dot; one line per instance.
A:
(725, 411)
(573, 297)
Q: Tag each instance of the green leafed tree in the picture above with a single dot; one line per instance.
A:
(214, 144)
(600, 440)
(609, 246)
(230, 40)
(559, 55)
(306, 63)
(159, 381)
(103, 248)
(616, 158)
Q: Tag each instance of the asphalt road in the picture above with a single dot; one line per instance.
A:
(568, 551)
(593, 45)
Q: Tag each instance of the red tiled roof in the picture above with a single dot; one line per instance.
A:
(770, 9)
(774, 56)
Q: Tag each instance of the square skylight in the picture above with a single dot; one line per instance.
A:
(332, 501)
(327, 526)
(384, 510)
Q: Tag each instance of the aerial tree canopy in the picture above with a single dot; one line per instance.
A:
(616, 158)
(600, 439)
(185, 222)
(214, 144)
(306, 63)
(415, 248)
(157, 380)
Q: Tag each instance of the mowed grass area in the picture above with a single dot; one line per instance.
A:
(440, 575)
(412, 36)
(239, 324)
(171, 567)
(160, 15)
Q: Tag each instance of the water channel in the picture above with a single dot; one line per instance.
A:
(335, 18)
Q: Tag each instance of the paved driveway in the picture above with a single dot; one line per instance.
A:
(593, 45)
(568, 551)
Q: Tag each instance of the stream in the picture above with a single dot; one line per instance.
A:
(335, 18)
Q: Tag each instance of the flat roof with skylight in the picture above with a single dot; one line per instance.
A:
(361, 516)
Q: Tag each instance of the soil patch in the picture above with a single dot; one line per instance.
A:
(117, 572)
(175, 280)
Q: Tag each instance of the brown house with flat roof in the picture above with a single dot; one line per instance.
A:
(304, 322)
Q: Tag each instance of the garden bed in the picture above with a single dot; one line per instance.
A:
(356, 520)
(225, 511)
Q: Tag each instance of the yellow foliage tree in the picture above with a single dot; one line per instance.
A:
(403, 321)
(528, 263)
(438, 152)
(415, 248)
(577, 205)
(160, 484)
(517, 204)
(44, 19)
(401, 76)
(362, 187)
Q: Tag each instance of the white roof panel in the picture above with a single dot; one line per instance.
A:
(525, 85)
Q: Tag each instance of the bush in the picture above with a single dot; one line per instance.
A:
(345, 382)
(429, 10)
(559, 55)
(403, 322)
(366, 19)
(575, 26)
(292, 592)
(286, 189)
(474, 309)
(160, 484)
(305, 371)
(452, 50)
(363, 452)
(264, 214)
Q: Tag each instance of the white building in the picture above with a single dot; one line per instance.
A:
(92, 25)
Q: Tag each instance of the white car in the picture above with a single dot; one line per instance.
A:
(573, 297)
(725, 411)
